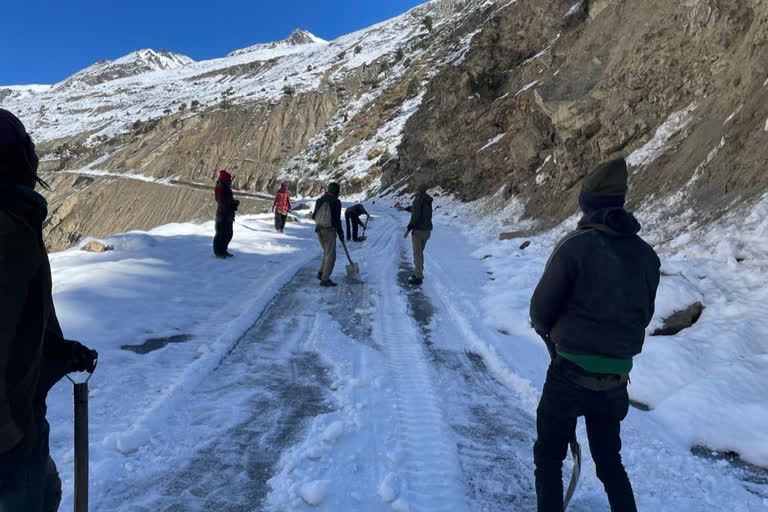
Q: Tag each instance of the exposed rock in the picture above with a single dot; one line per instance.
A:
(300, 207)
(525, 244)
(96, 246)
(680, 320)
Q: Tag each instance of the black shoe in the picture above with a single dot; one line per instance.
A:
(320, 276)
(327, 283)
(221, 256)
(229, 255)
(415, 280)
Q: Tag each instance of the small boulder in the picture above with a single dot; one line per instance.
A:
(680, 320)
(96, 246)
(291, 218)
(525, 244)
(300, 207)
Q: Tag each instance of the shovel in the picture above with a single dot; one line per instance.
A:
(352, 268)
(80, 395)
(573, 443)
(364, 228)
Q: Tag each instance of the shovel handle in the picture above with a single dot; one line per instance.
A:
(80, 394)
(343, 244)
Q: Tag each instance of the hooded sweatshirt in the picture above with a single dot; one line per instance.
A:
(282, 203)
(421, 213)
(597, 294)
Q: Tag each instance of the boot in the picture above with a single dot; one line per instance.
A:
(415, 280)
(327, 283)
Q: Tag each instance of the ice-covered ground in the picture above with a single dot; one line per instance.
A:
(242, 385)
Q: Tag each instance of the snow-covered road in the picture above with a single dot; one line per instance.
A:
(372, 396)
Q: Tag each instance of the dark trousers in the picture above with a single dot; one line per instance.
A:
(355, 220)
(30, 485)
(223, 237)
(562, 402)
(280, 221)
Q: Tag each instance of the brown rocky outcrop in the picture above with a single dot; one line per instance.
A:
(567, 91)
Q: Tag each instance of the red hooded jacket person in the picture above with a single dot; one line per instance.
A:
(281, 206)
(225, 215)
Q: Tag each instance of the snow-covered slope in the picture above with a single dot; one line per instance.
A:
(246, 386)
(133, 64)
(298, 37)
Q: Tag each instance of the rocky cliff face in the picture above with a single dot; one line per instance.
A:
(550, 88)
(510, 99)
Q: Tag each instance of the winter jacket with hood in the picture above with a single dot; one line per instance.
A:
(335, 205)
(33, 353)
(597, 294)
(226, 204)
(282, 202)
(421, 213)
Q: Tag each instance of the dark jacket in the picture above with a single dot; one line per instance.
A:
(356, 210)
(33, 353)
(597, 294)
(226, 204)
(335, 205)
(421, 213)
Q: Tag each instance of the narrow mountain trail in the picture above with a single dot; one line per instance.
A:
(374, 396)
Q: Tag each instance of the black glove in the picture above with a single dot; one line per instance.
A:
(83, 359)
(235, 204)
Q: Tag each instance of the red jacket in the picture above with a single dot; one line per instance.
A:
(226, 202)
(282, 202)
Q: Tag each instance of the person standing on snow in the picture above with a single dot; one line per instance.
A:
(33, 352)
(591, 307)
(421, 228)
(353, 214)
(225, 215)
(281, 206)
(327, 217)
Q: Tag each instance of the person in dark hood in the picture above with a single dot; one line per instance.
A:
(591, 307)
(327, 217)
(352, 216)
(33, 352)
(225, 215)
(420, 228)
(281, 206)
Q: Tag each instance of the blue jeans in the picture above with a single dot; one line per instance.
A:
(32, 483)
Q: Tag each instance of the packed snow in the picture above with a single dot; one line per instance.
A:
(401, 399)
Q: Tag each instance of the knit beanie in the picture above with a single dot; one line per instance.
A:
(605, 186)
(224, 176)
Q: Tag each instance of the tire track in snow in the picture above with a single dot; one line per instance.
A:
(493, 433)
(218, 453)
(432, 476)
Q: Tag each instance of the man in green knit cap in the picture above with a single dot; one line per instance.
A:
(592, 306)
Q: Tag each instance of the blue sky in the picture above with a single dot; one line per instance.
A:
(45, 41)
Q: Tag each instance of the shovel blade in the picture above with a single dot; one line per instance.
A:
(353, 269)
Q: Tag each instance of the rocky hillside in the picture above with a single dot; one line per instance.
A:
(549, 88)
(513, 100)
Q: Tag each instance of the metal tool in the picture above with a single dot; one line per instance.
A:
(80, 397)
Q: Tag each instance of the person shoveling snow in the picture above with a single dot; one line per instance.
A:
(352, 216)
(327, 217)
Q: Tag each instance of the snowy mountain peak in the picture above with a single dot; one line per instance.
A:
(135, 63)
(298, 37)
